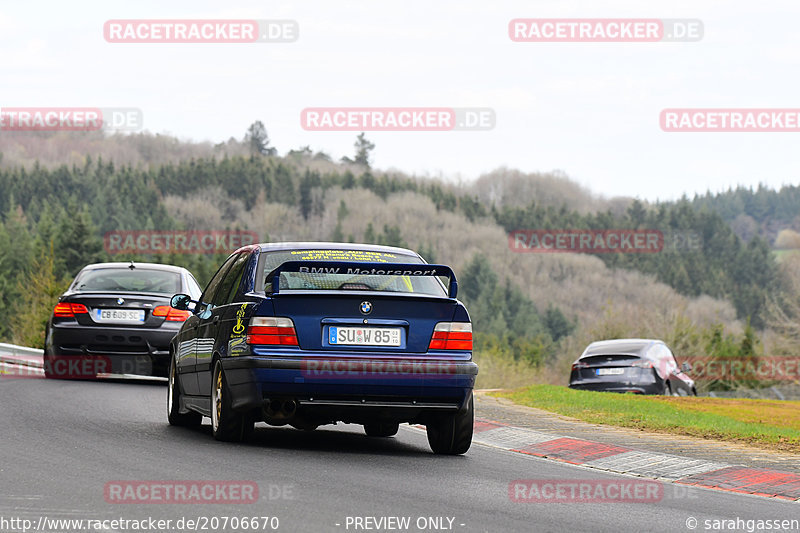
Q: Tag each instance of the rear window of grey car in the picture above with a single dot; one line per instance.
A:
(128, 280)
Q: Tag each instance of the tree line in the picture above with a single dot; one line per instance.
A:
(58, 216)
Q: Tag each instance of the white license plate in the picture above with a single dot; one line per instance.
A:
(358, 336)
(610, 371)
(119, 316)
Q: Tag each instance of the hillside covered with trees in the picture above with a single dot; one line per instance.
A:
(531, 311)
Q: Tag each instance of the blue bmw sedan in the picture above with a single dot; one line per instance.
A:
(308, 334)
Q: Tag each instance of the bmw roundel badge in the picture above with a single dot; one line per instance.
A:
(366, 308)
(120, 301)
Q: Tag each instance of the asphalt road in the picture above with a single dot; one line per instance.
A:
(62, 442)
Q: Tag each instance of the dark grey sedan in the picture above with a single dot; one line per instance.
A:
(115, 318)
(642, 366)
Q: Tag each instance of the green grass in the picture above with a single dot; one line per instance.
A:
(771, 424)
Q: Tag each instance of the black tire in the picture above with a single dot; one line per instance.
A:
(226, 424)
(175, 417)
(381, 429)
(452, 435)
(49, 360)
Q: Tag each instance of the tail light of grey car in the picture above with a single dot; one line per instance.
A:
(171, 314)
(69, 310)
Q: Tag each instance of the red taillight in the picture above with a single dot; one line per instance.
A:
(176, 315)
(451, 336)
(171, 314)
(63, 310)
(68, 310)
(578, 366)
(643, 364)
(271, 330)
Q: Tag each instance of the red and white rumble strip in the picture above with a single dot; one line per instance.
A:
(622, 460)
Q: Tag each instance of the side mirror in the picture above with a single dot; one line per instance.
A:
(181, 301)
(686, 367)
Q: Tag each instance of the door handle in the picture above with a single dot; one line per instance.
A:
(215, 319)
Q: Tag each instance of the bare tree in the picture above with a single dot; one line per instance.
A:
(258, 140)
(363, 149)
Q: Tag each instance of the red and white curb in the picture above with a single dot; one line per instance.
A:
(622, 460)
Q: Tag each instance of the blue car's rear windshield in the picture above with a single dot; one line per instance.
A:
(124, 279)
(302, 281)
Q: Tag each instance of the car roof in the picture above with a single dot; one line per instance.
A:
(636, 347)
(315, 245)
(149, 266)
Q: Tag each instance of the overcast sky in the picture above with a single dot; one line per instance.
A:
(588, 109)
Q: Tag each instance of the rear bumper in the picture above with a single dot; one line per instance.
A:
(611, 386)
(352, 390)
(130, 350)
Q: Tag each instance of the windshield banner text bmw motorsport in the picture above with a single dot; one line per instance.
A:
(364, 268)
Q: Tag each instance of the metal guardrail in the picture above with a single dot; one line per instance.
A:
(11, 354)
(13, 349)
(22, 355)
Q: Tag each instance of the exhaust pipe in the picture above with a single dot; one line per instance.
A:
(289, 408)
(272, 407)
(279, 411)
